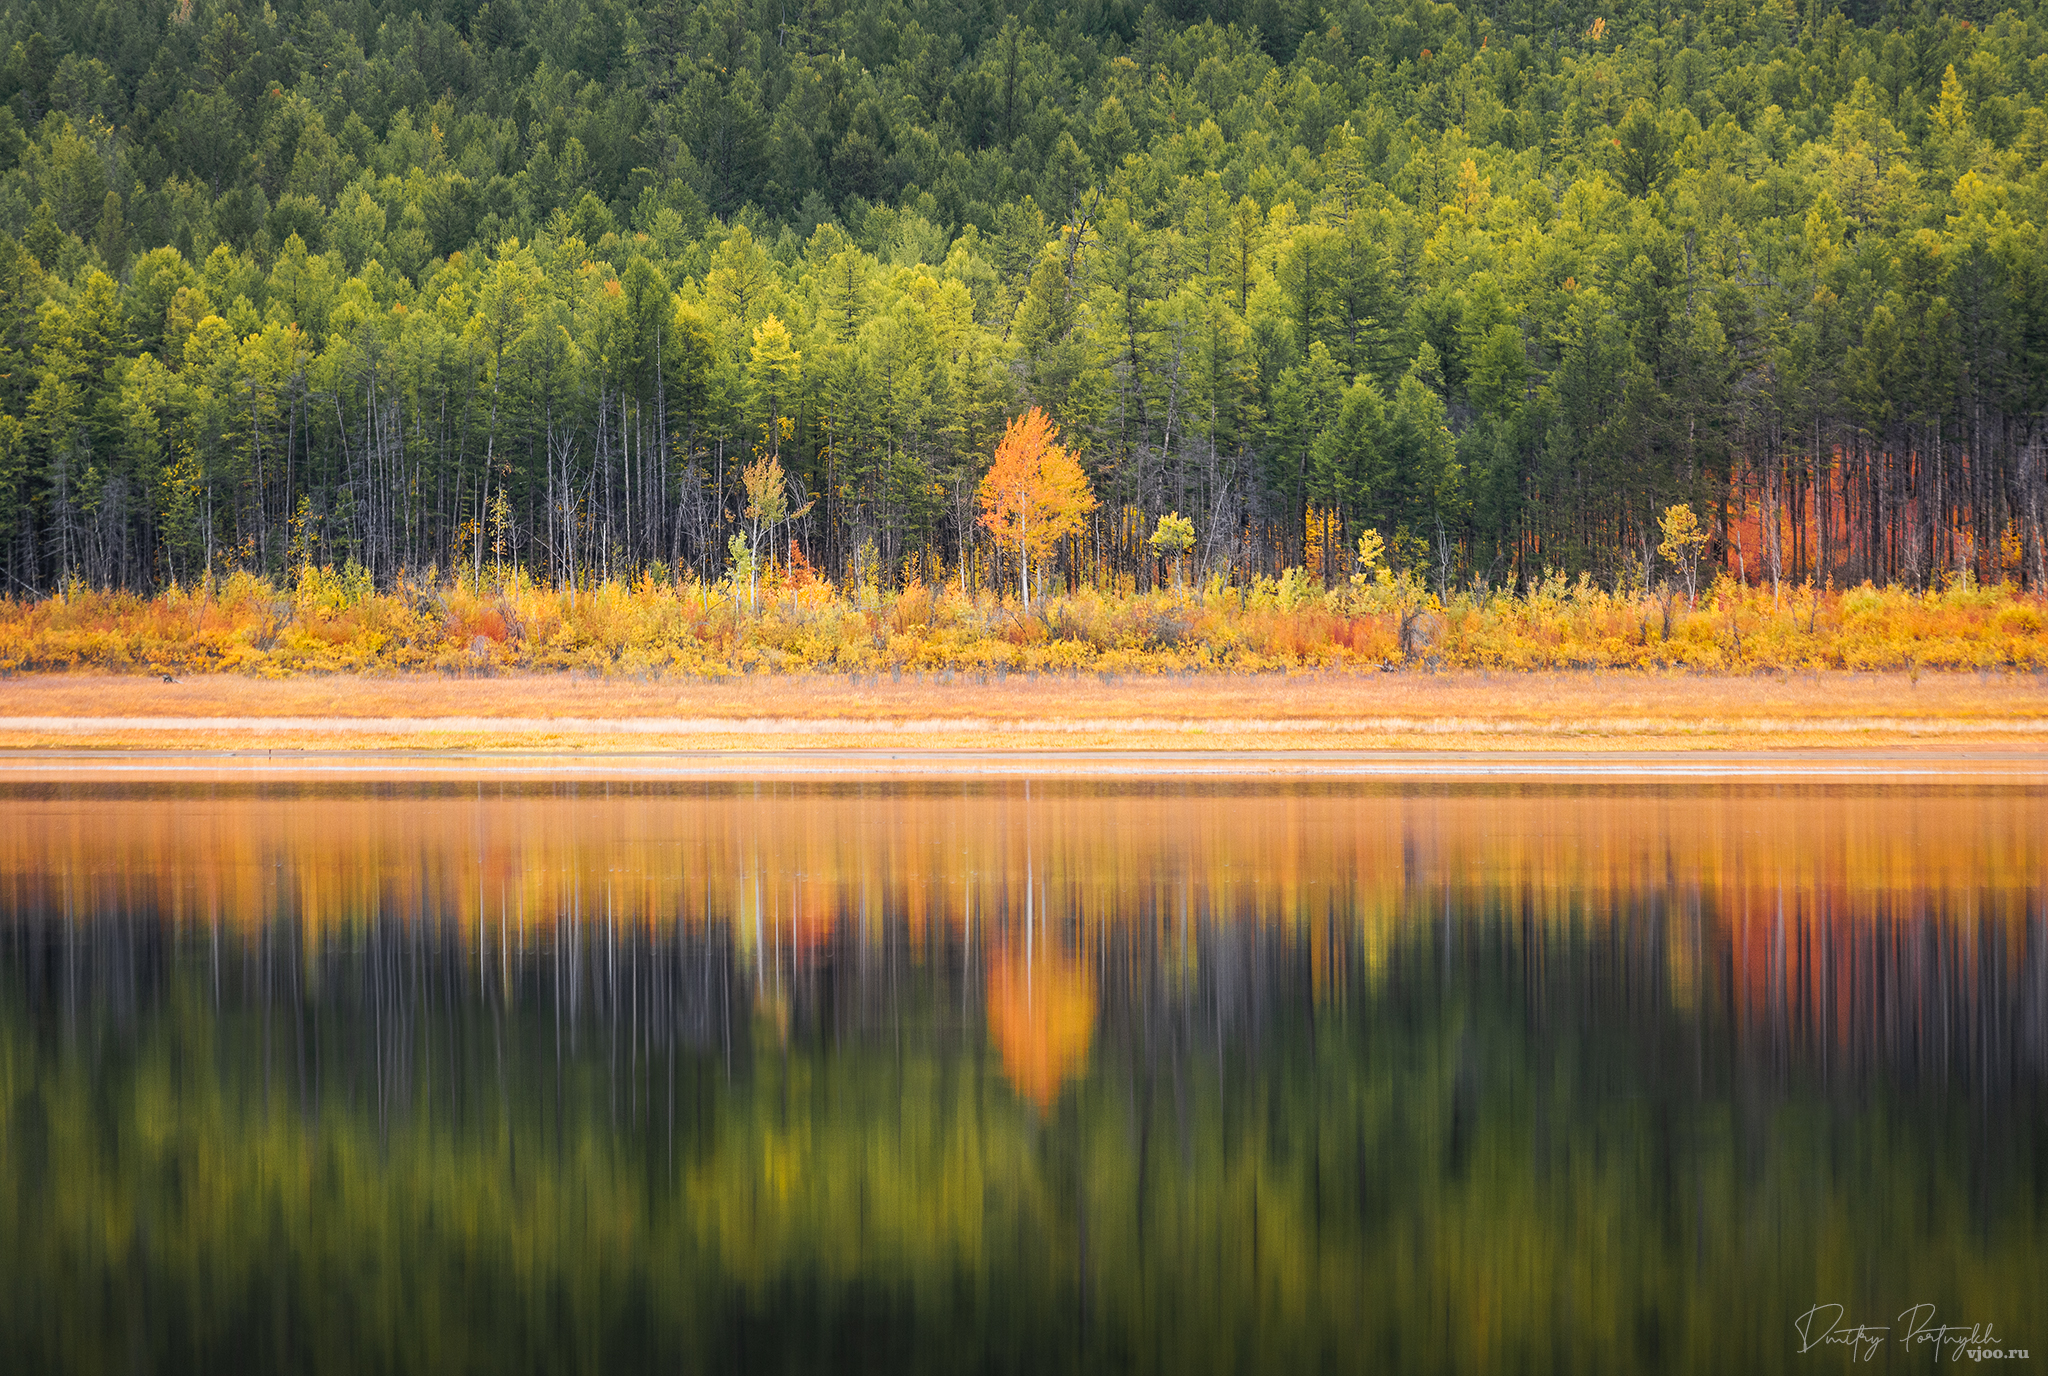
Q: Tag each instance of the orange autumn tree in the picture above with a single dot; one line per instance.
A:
(1035, 494)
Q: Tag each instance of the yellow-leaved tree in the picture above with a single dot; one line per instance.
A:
(1035, 494)
(767, 507)
(1172, 540)
(1681, 546)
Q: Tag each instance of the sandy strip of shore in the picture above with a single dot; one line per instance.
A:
(1997, 767)
(1301, 698)
(961, 726)
(1312, 712)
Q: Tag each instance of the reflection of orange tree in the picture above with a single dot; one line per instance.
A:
(1041, 1014)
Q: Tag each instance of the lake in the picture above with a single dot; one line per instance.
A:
(1173, 1076)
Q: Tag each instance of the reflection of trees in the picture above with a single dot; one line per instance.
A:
(1041, 1018)
(1489, 1121)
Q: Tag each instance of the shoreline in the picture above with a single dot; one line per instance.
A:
(30, 769)
(1592, 713)
(1584, 711)
(754, 735)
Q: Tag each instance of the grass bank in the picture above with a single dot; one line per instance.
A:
(331, 622)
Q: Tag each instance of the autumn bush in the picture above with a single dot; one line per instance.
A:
(335, 621)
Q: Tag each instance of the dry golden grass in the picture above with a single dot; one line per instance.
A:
(328, 623)
(1270, 712)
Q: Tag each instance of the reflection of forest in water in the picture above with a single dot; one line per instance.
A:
(905, 1077)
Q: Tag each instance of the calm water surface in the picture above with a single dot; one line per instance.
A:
(1177, 1078)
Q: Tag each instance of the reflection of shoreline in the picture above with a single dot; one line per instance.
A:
(1181, 1072)
(1852, 927)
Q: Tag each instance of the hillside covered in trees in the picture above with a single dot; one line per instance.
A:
(463, 285)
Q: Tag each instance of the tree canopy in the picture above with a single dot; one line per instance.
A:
(1034, 494)
(392, 281)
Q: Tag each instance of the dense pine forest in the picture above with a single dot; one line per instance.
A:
(472, 285)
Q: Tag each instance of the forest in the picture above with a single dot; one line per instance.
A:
(1474, 292)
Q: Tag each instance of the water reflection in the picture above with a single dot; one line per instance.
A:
(1021, 1078)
